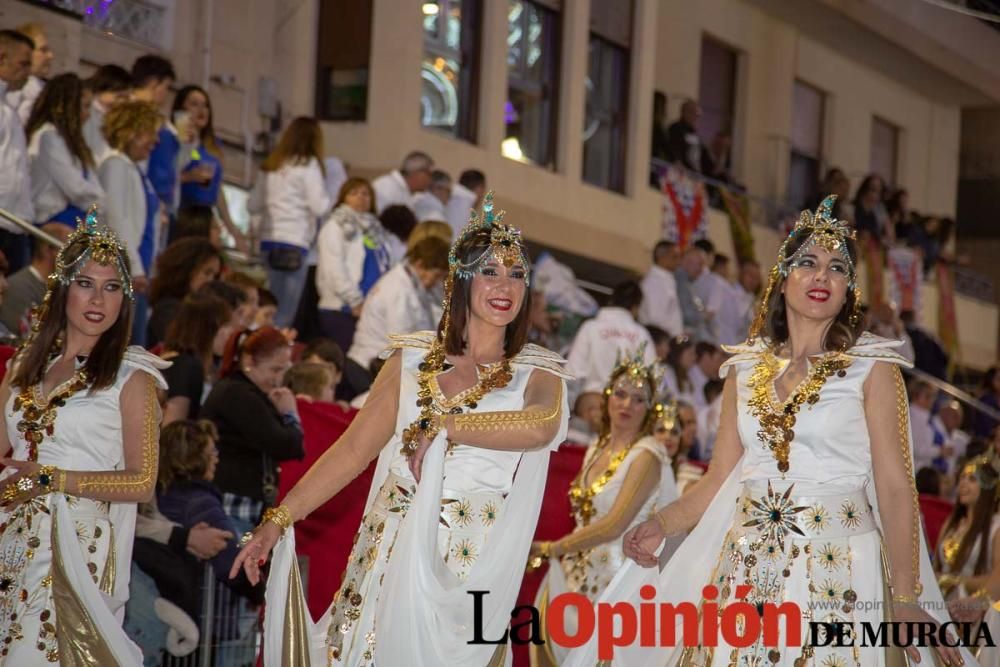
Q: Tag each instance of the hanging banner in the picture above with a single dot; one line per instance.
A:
(906, 276)
(685, 206)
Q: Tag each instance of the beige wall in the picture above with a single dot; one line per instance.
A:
(773, 54)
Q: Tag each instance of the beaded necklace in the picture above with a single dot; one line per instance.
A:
(39, 415)
(777, 420)
(492, 376)
(581, 494)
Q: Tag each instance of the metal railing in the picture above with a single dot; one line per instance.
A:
(963, 397)
(141, 21)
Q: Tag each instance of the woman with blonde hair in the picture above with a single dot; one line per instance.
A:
(291, 195)
(353, 255)
(133, 207)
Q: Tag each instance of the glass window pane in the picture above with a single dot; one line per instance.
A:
(605, 115)
(884, 149)
(716, 89)
(807, 119)
(343, 54)
(533, 72)
(448, 69)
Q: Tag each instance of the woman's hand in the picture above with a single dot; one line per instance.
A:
(640, 543)
(205, 541)
(912, 614)
(417, 458)
(284, 400)
(253, 556)
(11, 494)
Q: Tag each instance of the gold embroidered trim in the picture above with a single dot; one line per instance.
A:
(581, 495)
(903, 416)
(117, 482)
(38, 416)
(778, 419)
(510, 420)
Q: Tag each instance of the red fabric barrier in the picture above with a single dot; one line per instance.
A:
(6, 352)
(554, 521)
(935, 511)
(327, 535)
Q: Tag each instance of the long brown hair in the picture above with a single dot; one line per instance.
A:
(647, 422)
(183, 451)
(979, 528)
(302, 141)
(842, 333)
(104, 360)
(517, 331)
(207, 134)
(177, 263)
(194, 327)
(61, 103)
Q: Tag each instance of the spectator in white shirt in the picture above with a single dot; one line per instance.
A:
(15, 184)
(64, 182)
(290, 195)
(109, 85)
(734, 318)
(697, 319)
(352, 257)
(677, 376)
(600, 340)
(400, 185)
(660, 306)
(402, 301)
(466, 195)
(41, 67)
(708, 360)
(929, 446)
(950, 421)
(432, 203)
(133, 207)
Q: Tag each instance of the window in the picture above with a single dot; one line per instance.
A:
(342, 60)
(806, 160)
(606, 112)
(885, 150)
(449, 71)
(532, 82)
(716, 90)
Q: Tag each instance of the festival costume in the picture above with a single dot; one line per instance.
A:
(64, 559)
(605, 506)
(466, 527)
(797, 519)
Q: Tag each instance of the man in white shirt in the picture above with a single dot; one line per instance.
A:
(402, 301)
(400, 185)
(929, 447)
(466, 195)
(110, 85)
(41, 66)
(697, 319)
(734, 318)
(599, 341)
(15, 182)
(432, 203)
(708, 361)
(949, 421)
(660, 306)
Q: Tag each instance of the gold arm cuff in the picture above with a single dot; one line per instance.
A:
(280, 516)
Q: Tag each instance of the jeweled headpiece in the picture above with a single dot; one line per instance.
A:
(102, 246)
(633, 368)
(506, 247)
(980, 467)
(666, 412)
(820, 228)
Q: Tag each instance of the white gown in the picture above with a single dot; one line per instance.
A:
(64, 560)
(590, 571)
(989, 656)
(837, 558)
(421, 548)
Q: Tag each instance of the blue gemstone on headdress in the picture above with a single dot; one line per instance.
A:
(825, 210)
(91, 221)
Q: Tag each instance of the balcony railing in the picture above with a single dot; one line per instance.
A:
(144, 21)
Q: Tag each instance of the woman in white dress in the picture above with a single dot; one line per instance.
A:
(462, 410)
(968, 553)
(81, 428)
(626, 474)
(810, 446)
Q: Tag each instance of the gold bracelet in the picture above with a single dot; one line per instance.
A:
(983, 594)
(904, 599)
(280, 516)
(546, 550)
(52, 479)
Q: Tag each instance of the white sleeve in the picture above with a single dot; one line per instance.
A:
(924, 450)
(67, 173)
(122, 212)
(317, 198)
(332, 249)
(672, 316)
(257, 199)
(579, 357)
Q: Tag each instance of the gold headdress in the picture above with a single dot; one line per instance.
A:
(980, 467)
(102, 246)
(633, 370)
(819, 228)
(506, 247)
